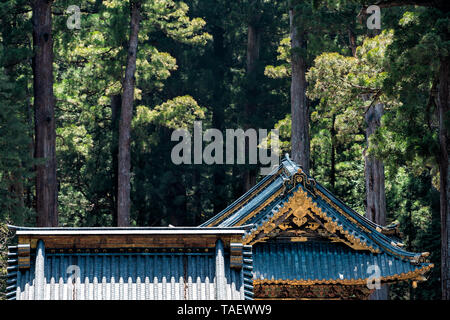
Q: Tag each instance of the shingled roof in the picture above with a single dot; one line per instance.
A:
(290, 204)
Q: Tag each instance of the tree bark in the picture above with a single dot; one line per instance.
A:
(444, 121)
(352, 41)
(375, 189)
(116, 101)
(220, 200)
(124, 162)
(44, 105)
(299, 106)
(253, 47)
(374, 171)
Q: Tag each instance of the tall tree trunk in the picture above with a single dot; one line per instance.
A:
(444, 122)
(116, 101)
(124, 163)
(443, 110)
(219, 199)
(196, 199)
(44, 105)
(299, 105)
(375, 190)
(352, 41)
(374, 171)
(253, 47)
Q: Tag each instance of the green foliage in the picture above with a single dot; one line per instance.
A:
(347, 86)
(177, 113)
(397, 68)
(15, 158)
(284, 53)
(415, 205)
(191, 64)
(89, 70)
(412, 127)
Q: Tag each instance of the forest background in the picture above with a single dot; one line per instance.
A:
(91, 90)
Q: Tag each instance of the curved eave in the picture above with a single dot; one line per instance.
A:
(254, 200)
(319, 209)
(412, 275)
(416, 275)
(364, 227)
(374, 231)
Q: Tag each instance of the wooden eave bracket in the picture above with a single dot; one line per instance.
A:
(236, 255)
(23, 253)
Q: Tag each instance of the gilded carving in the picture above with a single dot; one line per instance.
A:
(301, 205)
(416, 275)
(330, 227)
(299, 221)
(317, 292)
(300, 177)
(312, 226)
(299, 239)
(283, 226)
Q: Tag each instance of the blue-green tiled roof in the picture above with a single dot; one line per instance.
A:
(324, 261)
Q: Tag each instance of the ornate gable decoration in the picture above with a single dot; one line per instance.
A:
(300, 218)
(297, 178)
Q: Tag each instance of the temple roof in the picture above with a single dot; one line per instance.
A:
(287, 217)
(290, 204)
(129, 264)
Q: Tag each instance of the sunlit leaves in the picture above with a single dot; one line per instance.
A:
(180, 112)
(153, 67)
(74, 138)
(284, 54)
(284, 135)
(171, 18)
(347, 86)
(277, 72)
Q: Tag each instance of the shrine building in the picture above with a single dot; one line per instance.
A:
(286, 238)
